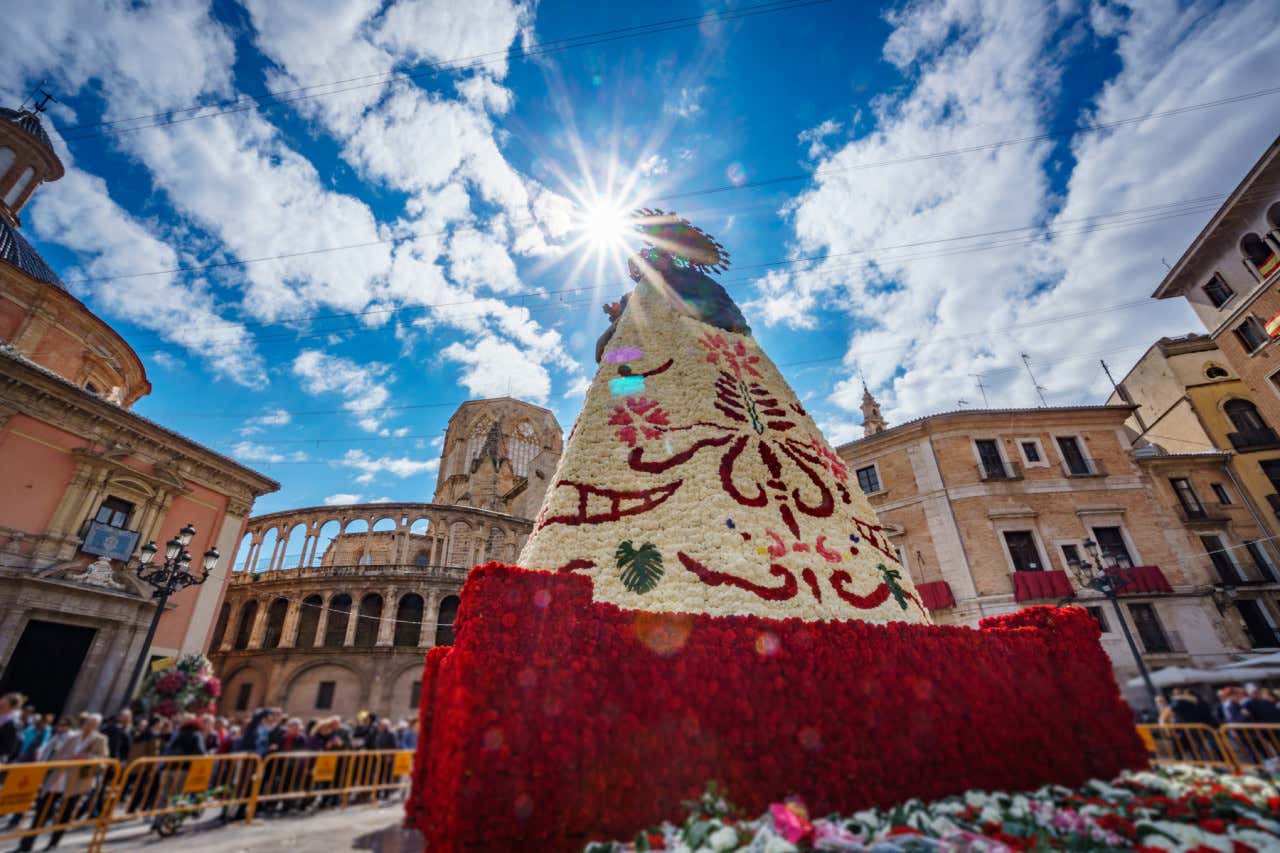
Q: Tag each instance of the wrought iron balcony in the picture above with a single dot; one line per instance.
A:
(1091, 468)
(999, 472)
(1254, 439)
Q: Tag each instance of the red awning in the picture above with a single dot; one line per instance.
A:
(936, 595)
(1142, 580)
(1032, 585)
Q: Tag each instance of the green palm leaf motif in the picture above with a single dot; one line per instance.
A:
(892, 577)
(641, 567)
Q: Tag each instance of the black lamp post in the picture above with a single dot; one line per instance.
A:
(172, 575)
(1106, 580)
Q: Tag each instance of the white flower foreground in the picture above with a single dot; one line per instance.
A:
(1176, 807)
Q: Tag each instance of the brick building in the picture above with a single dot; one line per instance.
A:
(987, 508)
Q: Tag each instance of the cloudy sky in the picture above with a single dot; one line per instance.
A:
(323, 224)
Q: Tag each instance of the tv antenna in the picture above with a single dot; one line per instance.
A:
(1026, 360)
(982, 389)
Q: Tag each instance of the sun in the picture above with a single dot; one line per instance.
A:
(604, 224)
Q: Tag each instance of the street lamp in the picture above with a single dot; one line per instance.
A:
(172, 575)
(1106, 580)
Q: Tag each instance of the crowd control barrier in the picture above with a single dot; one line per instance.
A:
(49, 798)
(1256, 746)
(1187, 743)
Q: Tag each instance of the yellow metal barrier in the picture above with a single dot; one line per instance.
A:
(377, 772)
(169, 789)
(1256, 745)
(1187, 743)
(53, 797)
(301, 779)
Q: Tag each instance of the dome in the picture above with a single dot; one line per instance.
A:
(30, 122)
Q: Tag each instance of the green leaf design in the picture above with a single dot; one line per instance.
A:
(892, 578)
(641, 567)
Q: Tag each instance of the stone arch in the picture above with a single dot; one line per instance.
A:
(335, 633)
(293, 549)
(220, 626)
(244, 625)
(308, 621)
(356, 525)
(244, 552)
(369, 620)
(325, 535)
(400, 700)
(445, 617)
(409, 612)
(266, 551)
(235, 700)
(459, 545)
(390, 525)
(274, 632)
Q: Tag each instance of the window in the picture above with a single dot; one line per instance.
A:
(1030, 451)
(990, 459)
(12, 197)
(1073, 456)
(408, 620)
(1070, 554)
(1220, 492)
(1111, 544)
(1244, 415)
(335, 631)
(869, 479)
(324, 696)
(308, 622)
(1271, 468)
(1218, 291)
(444, 621)
(243, 695)
(1023, 551)
(114, 512)
(1187, 497)
(415, 694)
(1251, 334)
(1262, 256)
(1221, 560)
(1262, 634)
(1213, 371)
(1099, 617)
(244, 633)
(1151, 632)
(1265, 570)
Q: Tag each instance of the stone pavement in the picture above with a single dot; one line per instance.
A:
(360, 827)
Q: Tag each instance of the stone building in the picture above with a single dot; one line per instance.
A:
(331, 608)
(987, 508)
(85, 480)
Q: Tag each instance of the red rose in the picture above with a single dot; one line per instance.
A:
(1215, 825)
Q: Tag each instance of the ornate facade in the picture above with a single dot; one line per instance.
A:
(85, 480)
(331, 608)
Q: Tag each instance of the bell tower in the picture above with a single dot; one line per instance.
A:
(27, 158)
(872, 421)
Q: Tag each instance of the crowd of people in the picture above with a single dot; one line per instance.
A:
(26, 735)
(1236, 704)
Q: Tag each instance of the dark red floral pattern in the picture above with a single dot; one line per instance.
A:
(553, 720)
(734, 355)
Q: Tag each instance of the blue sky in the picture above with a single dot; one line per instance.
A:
(335, 369)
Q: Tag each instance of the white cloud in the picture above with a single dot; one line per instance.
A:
(653, 165)
(362, 392)
(977, 73)
(248, 451)
(816, 137)
(496, 368)
(342, 498)
(399, 467)
(688, 102)
(840, 431)
(276, 417)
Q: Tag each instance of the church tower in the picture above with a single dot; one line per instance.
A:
(872, 421)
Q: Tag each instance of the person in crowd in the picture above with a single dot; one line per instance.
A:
(1232, 705)
(1257, 708)
(35, 736)
(119, 733)
(64, 788)
(1164, 713)
(10, 726)
(189, 739)
(407, 732)
(1188, 708)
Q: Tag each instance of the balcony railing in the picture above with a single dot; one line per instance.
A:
(998, 472)
(1201, 515)
(1033, 586)
(1254, 439)
(292, 574)
(1089, 468)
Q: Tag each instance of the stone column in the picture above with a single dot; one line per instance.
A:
(323, 624)
(430, 609)
(353, 618)
(259, 625)
(291, 617)
(277, 553)
(387, 624)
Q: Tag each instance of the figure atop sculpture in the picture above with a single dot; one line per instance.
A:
(694, 480)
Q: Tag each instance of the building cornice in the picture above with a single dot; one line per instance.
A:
(991, 419)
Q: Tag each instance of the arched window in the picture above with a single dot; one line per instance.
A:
(444, 621)
(409, 620)
(294, 546)
(1273, 216)
(275, 623)
(15, 192)
(6, 159)
(335, 632)
(522, 448)
(476, 438)
(1244, 415)
(369, 617)
(220, 627)
(244, 629)
(1258, 253)
(308, 622)
(1213, 371)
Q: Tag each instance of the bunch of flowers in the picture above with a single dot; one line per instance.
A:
(1175, 807)
(188, 685)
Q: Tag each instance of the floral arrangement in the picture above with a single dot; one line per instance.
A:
(1175, 807)
(694, 481)
(555, 719)
(188, 685)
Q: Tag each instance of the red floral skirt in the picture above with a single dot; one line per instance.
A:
(555, 720)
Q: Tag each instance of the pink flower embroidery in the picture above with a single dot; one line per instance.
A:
(639, 417)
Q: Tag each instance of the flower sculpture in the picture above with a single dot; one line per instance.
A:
(187, 685)
(706, 595)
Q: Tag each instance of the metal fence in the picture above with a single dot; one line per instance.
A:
(1236, 746)
(53, 797)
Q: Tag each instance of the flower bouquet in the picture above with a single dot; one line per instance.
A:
(188, 685)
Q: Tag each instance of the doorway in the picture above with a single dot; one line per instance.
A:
(45, 663)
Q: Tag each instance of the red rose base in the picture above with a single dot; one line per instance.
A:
(555, 720)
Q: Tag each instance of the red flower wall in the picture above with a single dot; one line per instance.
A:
(555, 720)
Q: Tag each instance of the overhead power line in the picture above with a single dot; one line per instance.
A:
(181, 115)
